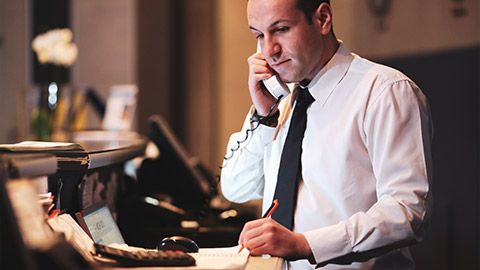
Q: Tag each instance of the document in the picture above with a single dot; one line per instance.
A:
(68, 155)
(41, 146)
(74, 234)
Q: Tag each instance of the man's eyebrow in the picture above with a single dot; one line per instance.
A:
(253, 28)
(271, 25)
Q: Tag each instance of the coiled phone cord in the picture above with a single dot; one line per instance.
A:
(250, 130)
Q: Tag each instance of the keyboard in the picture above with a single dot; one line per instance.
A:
(145, 257)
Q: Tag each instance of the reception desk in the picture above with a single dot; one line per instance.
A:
(105, 153)
(80, 185)
(87, 171)
(33, 250)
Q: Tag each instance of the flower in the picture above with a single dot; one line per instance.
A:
(55, 47)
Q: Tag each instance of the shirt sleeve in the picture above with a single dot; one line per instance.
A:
(242, 177)
(398, 135)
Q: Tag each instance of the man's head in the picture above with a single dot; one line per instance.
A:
(295, 47)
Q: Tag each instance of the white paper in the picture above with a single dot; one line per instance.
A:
(221, 258)
(74, 234)
(120, 108)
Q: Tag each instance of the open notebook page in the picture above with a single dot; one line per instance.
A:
(221, 258)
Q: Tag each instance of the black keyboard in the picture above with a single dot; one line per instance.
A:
(145, 257)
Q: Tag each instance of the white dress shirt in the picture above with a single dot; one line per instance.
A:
(366, 164)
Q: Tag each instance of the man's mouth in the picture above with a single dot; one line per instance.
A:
(279, 64)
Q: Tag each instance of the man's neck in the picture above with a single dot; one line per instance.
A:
(331, 47)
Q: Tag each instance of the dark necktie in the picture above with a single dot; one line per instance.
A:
(288, 173)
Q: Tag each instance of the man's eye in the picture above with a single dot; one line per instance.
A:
(259, 36)
(282, 29)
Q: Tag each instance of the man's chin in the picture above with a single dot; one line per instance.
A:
(287, 77)
(283, 77)
(288, 80)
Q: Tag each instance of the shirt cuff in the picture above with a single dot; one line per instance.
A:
(328, 242)
(260, 137)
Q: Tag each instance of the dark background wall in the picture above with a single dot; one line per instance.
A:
(176, 73)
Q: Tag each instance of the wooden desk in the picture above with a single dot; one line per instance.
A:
(261, 263)
(70, 164)
(253, 263)
(102, 155)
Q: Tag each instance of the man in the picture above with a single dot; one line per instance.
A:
(362, 192)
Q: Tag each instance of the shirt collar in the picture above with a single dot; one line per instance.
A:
(323, 84)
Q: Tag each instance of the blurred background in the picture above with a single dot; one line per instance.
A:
(188, 59)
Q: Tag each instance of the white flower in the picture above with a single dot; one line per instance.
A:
(55, 47)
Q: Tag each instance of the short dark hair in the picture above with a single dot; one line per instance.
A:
(308, 7)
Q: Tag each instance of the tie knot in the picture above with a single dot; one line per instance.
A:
(304, 97)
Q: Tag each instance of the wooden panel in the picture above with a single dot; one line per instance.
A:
(106, 35)
(411, 27)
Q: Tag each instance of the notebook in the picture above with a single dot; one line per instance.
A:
(97, 221)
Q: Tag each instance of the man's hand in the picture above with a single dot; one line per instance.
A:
(266, 236)
(261, 98)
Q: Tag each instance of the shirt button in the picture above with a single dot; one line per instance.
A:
(258, 138)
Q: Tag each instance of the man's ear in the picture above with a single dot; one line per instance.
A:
(323, 18)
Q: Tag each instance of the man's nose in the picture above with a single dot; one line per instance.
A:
(271, 50)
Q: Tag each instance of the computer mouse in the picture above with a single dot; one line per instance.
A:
(178, 243)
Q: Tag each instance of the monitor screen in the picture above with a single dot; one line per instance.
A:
(98, 221)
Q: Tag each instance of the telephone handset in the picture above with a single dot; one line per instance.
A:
(274, 84)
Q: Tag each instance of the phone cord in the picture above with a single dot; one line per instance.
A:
(250, 130)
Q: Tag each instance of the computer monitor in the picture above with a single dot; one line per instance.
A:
(97, 221)
(175, 172)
